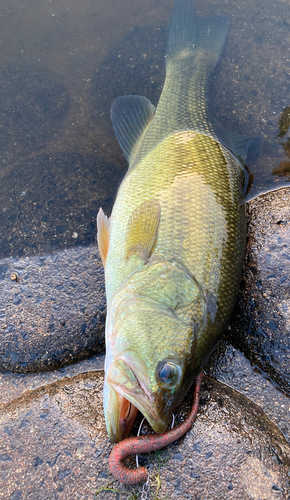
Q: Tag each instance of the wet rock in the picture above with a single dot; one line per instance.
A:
(34, 104)
(230, 366)
(60, 449)
(54, 312)
(51, 202)
(15, 386)
(260, 326)
(227, 453)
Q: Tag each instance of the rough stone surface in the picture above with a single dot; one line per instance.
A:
(54, 445)
(53, 441)
(260, 326)
(231, 367)
(54, 313)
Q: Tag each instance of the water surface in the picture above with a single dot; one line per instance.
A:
(62, 63)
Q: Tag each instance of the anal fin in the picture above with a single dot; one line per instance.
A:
(142, 230)
(103, 234)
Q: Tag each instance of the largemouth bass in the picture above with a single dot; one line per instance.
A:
(173, 248)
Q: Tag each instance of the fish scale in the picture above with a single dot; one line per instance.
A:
(183, 226)
(173, 248)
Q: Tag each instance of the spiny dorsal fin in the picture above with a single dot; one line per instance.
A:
(142, 230)
(103, 234)
(130, 115)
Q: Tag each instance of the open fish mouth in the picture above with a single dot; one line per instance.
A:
(128, 413)
(125, 396)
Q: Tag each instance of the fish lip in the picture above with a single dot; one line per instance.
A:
(139, 397)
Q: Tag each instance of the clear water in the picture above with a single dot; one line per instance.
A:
(62, 62)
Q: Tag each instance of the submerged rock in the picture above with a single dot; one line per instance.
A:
(34, 103)
(51, 201)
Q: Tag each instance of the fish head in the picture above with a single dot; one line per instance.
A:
(149, 354)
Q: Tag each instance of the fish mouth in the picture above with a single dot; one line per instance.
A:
(126, 394)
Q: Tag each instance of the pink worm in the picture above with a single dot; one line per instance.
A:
(148, 443)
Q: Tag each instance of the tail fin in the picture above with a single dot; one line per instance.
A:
(193, 33)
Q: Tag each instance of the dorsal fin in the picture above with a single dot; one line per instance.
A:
(103, 234)
(130, 115)
(142, 230)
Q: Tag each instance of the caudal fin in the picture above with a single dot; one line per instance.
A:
(190, 33)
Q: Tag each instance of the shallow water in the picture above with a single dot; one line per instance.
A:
(63, 62)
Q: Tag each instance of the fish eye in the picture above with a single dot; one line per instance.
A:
(169, 374)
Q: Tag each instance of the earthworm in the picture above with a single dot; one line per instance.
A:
(148, 443)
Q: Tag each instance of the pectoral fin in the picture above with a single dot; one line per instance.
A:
(103, 235)
(142, 230)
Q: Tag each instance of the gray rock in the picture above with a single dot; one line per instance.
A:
(52, 429)
(260, 326)
(54, 313)
(233, 450)
(50, 202)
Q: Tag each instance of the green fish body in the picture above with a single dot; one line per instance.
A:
(173, 248)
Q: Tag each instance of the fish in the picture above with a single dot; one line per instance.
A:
(173, 247)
